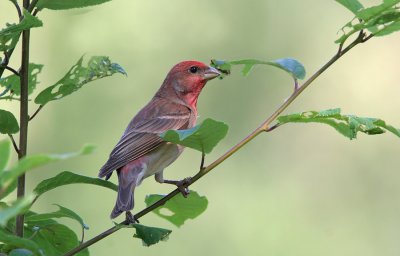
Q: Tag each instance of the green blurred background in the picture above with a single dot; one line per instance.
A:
(300, 190)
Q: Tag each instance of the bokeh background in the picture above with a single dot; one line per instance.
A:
(300, 190)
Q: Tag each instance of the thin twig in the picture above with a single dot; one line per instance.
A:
(35, 12)
(36, 112)
(6, 90)
(367, 38)
(83, 235)
(9, 98)
(15, 72)
(203, 156)
(32, 5)
(264, 127)
(18, 8)
(14, 143)
(270, 129)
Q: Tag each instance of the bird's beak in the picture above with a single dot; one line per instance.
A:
(211, 73)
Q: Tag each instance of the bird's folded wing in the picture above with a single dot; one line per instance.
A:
(141, 139)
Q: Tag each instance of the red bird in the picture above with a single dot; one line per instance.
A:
(140, 152)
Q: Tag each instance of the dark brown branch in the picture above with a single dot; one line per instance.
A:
(24, 118)
(203, 156)
(264, 127)
(32, 6)
(18, 8)
(36, 112)
(14, 143)
(11, 69)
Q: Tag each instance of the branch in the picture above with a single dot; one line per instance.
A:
(14, 143)
(10, 69)
(32, 6)
(264, 127)
(36, 112)
(23, 118)
(18, 8)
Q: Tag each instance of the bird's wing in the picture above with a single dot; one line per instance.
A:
(142, 138)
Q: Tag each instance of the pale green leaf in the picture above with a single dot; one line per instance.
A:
(374, 11)
(66, 178)
(18, 207)
(8, 178)
(5, 152)
(353, 5)
(347, 125)
(388, 29)
(179, 209)
(14, 81)
(292, 66)
(67, 4)
(9, 36)
(203, 137)
(79, 75)
(62, 212)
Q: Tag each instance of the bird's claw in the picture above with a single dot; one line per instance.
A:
(130, 218)
(183, 186)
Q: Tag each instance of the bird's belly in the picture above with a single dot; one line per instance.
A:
(160, 158)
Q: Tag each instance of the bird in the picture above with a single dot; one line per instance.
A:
(141, 152)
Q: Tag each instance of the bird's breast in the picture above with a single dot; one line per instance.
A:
(162, 157)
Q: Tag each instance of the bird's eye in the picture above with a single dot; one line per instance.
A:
(193, 69)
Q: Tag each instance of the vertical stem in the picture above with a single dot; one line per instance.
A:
(24, 118)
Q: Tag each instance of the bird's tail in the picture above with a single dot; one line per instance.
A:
(128, 179)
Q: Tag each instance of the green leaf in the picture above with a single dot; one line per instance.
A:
(66, 178)
(64, 5)
(62, 212)
(19, 242)
(180, 208)
(370, 13)
(79, 75)
(14, 81)
(148, 235)
(380, 20)
(18, 207)
(8, 123)
(292, 66)
(9, 177)
(54, 238)
(203, 137)
(353, 5)
(5, 150)
(9, 36)
(21, 252)
(391, 28)
(347, 125)
(151, 235)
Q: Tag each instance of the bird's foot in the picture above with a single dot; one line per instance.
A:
(182, 185)
(130, 218)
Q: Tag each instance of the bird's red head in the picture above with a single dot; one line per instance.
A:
(186, 80)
